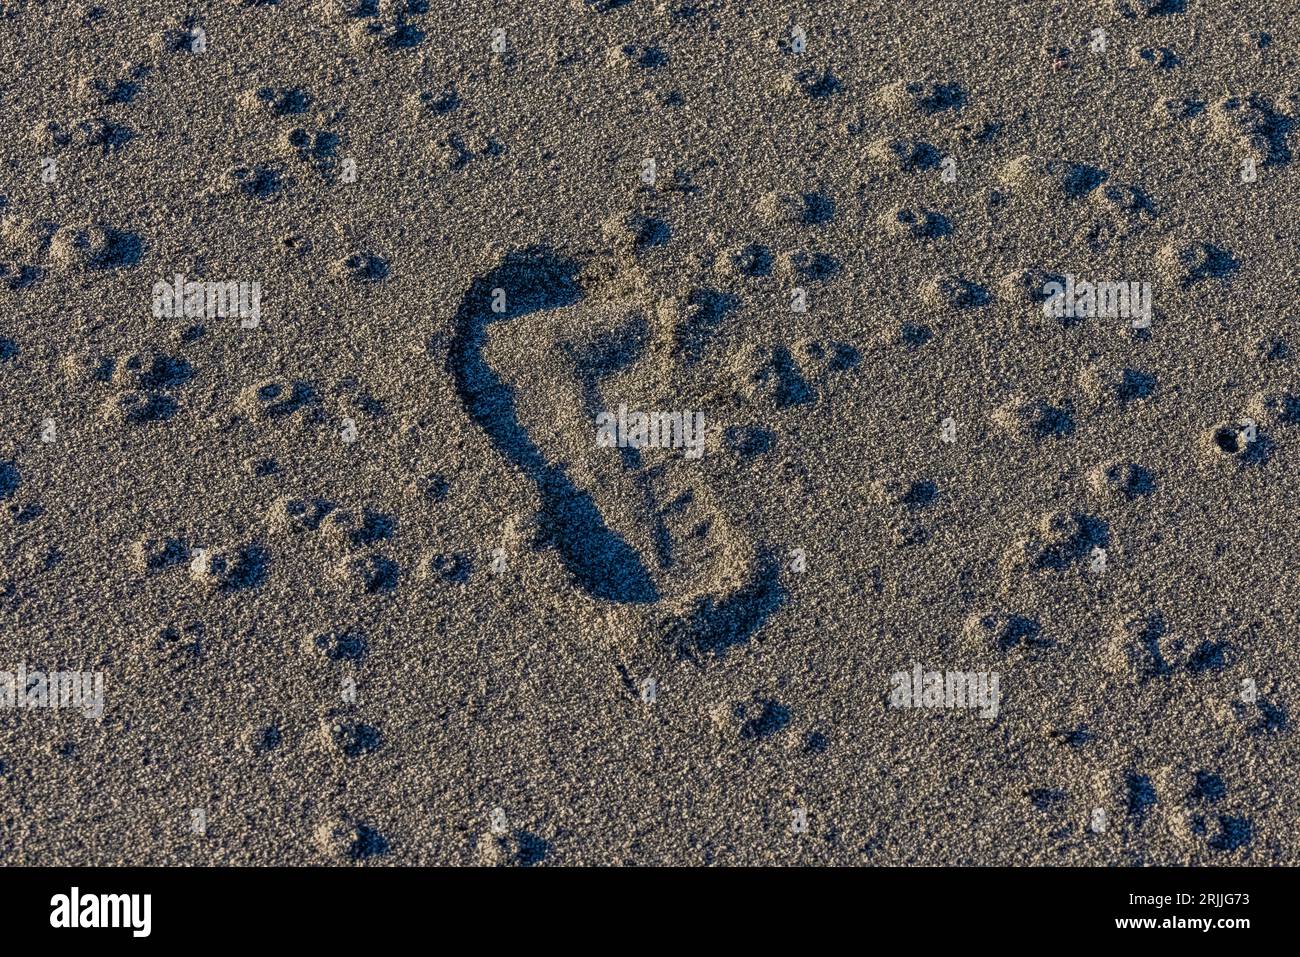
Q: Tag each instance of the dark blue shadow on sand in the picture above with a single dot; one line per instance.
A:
(534, 279)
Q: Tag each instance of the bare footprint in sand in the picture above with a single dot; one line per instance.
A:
(636, 528)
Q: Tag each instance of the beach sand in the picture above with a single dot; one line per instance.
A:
(362, 584)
